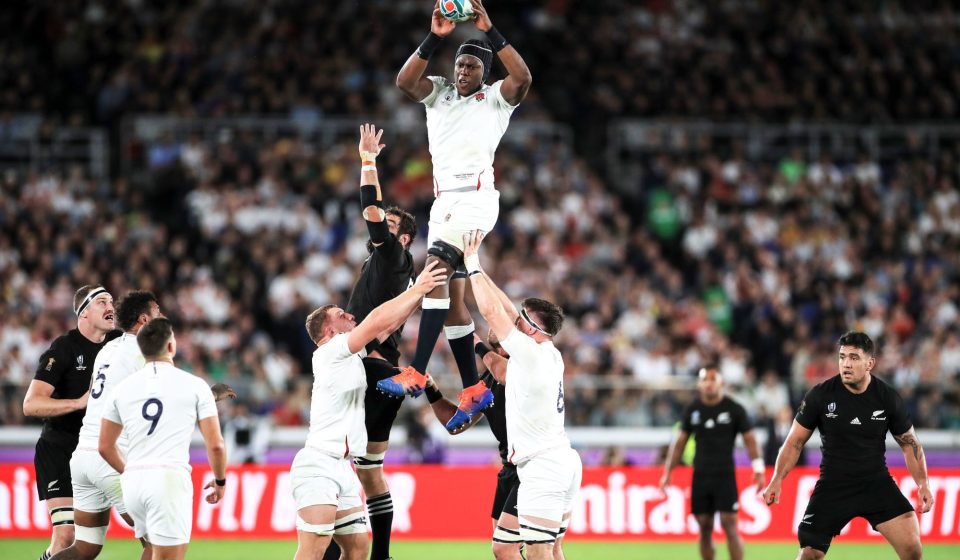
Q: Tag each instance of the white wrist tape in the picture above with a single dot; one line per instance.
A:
(758, 466)
(472, 263)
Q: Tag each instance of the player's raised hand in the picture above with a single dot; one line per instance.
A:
(771, 494)
(370, 145)
(439, 24)
(217, 494)
(430, 278)
(480, 17)
(471, 243)
(926, 499)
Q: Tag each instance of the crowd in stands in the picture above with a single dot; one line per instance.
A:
(756, 267)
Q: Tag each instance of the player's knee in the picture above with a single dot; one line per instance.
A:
(914, 551)
(86, 550)
(810, 553)
(506, 551)
(447, 253)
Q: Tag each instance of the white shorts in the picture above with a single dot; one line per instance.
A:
(96, 486)
(160, 501)
(318, 478)
(549, 482)
(454, 214)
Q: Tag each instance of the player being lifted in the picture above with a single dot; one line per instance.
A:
(465, 120)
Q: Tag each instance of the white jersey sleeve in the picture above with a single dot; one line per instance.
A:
(498, 97)
(337, 401)
(525, 351)
(110, 411)
(439, 83)
(206, 405)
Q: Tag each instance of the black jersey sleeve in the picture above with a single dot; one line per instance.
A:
(809, 414)
(742, 420)
(899, 417)
(685, 424)
(54, 363)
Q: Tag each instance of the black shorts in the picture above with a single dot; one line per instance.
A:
(505, 499)
(834, 503)
(52, 465)
(713, 493)
(381, 410)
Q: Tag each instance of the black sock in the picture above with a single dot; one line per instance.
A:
(333, 551)
(380, 509)
(45, 555)
(462, 348)
(431, 323)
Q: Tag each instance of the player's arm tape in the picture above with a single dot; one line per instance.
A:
(61, 516)
(472, 263)
(433, 394)
(481, 349)
(368, 197)
(758, 466)
(496, 39)
(430, 44)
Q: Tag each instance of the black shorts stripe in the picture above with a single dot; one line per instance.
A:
(538, 529)
(351, 522)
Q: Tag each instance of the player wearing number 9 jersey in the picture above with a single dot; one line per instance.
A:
(96, 486)
(158, 408)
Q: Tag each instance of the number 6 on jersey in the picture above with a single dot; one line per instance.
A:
(155, 417)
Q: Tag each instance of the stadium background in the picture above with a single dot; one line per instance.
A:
(738, 181)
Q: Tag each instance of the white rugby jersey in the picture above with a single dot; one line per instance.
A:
(336, 405)
(159, 407)
(464, 133)
(120, 358)
(534, 397)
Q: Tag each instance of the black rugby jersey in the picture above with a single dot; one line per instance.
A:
(715, 428)
(386, 274)
(853, 428)
(68, 365)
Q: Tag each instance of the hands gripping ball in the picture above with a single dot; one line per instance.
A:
(457, 11)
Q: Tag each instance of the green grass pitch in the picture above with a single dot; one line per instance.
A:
(476, 550)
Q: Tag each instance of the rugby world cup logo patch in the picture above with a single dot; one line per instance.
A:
(831, 409)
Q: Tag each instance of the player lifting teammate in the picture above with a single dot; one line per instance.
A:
(854, 410)
(466, 119)
(325, 489)
(548, 468)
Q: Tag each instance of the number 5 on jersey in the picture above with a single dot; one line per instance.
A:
(155, 417)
